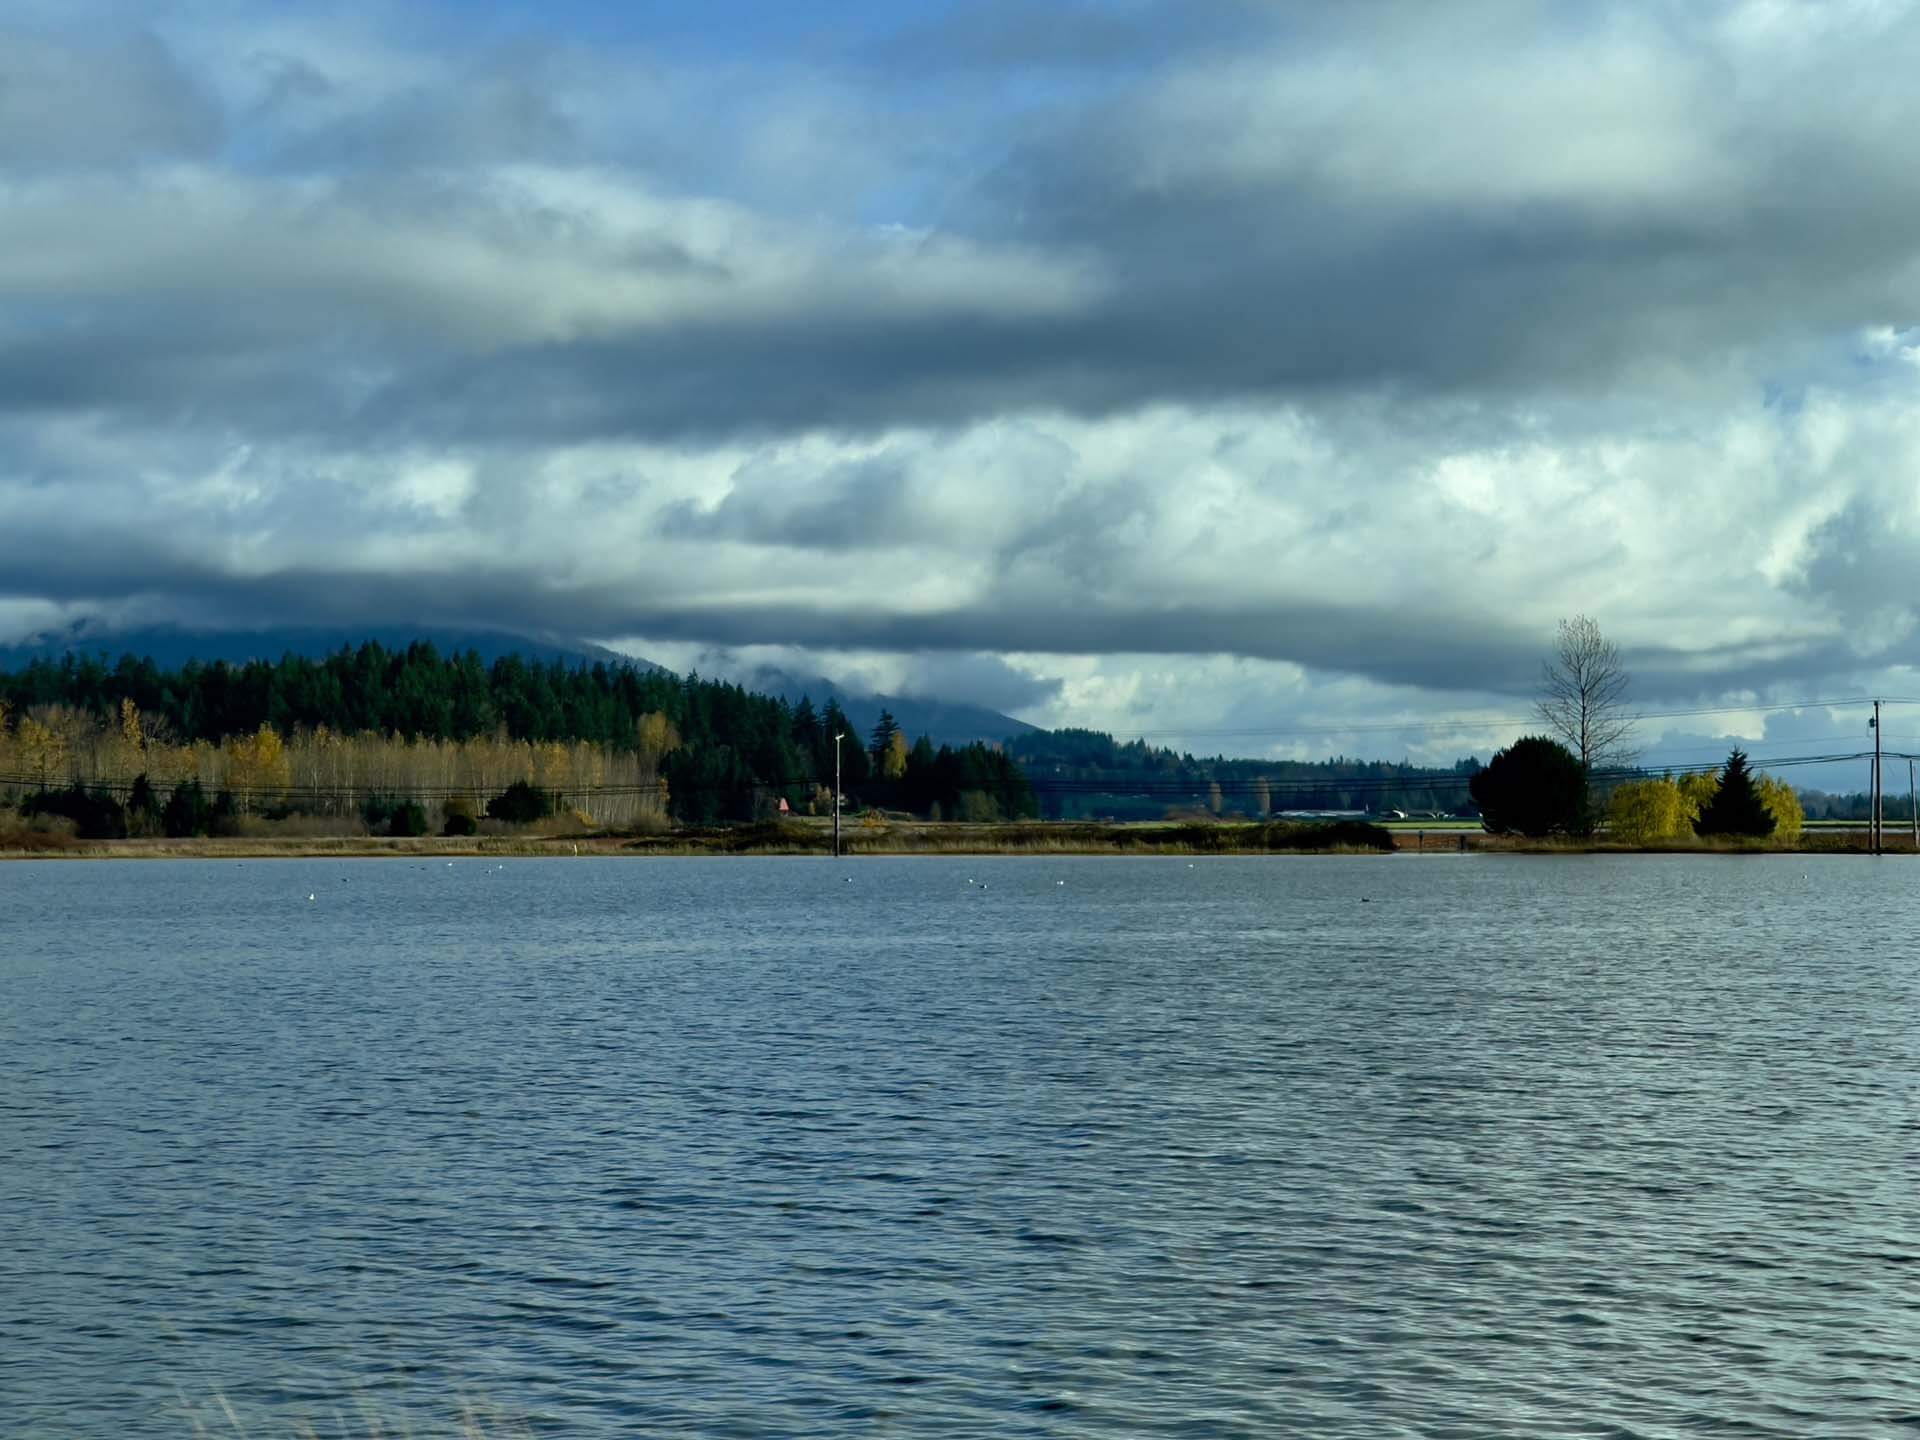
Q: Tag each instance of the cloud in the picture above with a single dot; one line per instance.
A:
(1213, 361)
(75, 101)
(527, 305)
(1408, 547)
(1334, 210)
(980, 680)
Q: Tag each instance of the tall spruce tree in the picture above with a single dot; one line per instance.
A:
(883, 732)
(1736, 807)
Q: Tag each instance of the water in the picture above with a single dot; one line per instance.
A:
(1419, 1146)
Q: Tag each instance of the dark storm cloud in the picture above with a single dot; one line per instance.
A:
(1782, 670)
(1427, 651)
(858, 505)
(980, 680)
(1265, 223)
(1862, 561)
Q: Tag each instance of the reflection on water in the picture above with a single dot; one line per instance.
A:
(1428, 1146)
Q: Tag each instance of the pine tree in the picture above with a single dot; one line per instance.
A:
(883, 732)
(805, 728)
(1737, 807)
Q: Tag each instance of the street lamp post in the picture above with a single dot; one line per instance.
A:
(836, 793)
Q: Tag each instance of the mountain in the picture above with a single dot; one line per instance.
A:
(171, 648)
(943, 722)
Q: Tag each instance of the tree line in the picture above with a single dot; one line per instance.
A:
(1080, 774)
(1538, 787)
(371, 727)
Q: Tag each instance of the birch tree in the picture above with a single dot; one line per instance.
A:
(1583, 693)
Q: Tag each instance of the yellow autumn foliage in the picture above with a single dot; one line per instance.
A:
(1652, 812)
(893, 759)
(323, 772)
(1696, 793)
(1783, 803)
(1647, 812)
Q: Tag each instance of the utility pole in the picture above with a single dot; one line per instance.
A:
(836, 792)
(1876, 777)
(1913, 813)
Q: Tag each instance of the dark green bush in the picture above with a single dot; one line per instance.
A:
(1341, 834)
(520, 804)
(96, 816)
(387, 815)
(225, 816)
(1534, 787)
(187, 812)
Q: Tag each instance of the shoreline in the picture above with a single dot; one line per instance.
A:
(926, 838)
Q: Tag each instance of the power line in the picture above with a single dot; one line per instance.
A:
(1491, 722)
(1176, 787)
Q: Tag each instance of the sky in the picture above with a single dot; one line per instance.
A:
(1263, 376)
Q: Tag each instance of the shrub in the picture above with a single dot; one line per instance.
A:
(386, 815)
(977, 807)
(225, 818)
(1341, 835)
(95, 816)
(1645, 812)
(1534, 787)
(1696, 793)
(143, 804)
(54, 832)
(520, 804)
(187, 812)
(1783, 803)
(460, 822)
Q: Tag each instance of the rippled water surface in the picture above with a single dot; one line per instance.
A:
(1422, 1146)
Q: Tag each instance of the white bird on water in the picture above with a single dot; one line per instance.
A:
(309, 896)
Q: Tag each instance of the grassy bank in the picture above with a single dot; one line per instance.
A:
(1829, 842)
(769, 838)
(814, 837)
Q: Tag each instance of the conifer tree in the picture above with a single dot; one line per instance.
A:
(805, 728)
(1737, 807)
(883, 732)
(1536, 786)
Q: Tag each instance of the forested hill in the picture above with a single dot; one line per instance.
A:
(722, 751)
(1078, 774)
(171, 648)
(412, 691)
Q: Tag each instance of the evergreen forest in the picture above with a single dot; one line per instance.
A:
(366, 726)
(407, 736)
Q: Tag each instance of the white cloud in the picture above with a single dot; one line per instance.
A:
(1310, 382)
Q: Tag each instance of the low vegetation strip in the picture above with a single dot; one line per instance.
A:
(814, 837)
(765, 838)
(908, 838)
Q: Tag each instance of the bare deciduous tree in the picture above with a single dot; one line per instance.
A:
(1583, 689)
